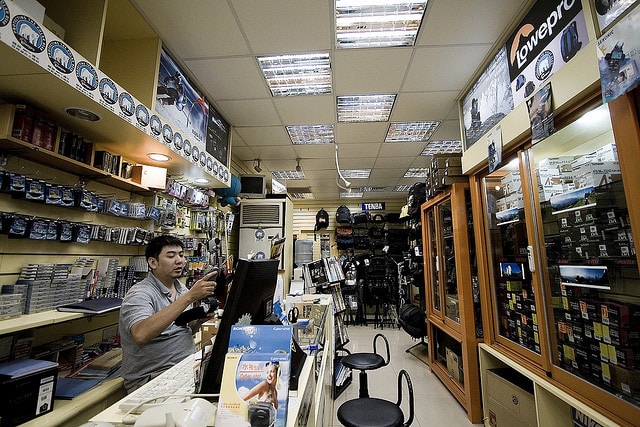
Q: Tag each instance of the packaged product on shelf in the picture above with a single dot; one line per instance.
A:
(596, 174)
(23, 122)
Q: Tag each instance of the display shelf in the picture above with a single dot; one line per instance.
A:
(30, 321)
(452, 304)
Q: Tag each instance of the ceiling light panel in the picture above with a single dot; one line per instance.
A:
(373, 189)
(411, 131)
(355, 173)
(377, 23)
(442, 147)
(365, 108)
(293, 175)
(416, 173)
(302, 74)
(311, 134)
(402, 188)
(302, 196)
(351, 194)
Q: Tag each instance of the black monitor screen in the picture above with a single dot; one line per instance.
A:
(251, 293)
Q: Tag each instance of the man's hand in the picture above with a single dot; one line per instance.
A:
(204, 287)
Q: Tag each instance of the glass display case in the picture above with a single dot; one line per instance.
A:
(590, 264)
(563, 284)
(451, 286)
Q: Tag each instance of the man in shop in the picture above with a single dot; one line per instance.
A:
(152, 340)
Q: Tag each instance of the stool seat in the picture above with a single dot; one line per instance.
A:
(363, 361)
(370, 412)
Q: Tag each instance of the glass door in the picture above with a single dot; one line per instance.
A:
(515, 303)
(432, 284)
(448, 261)
(591, 267)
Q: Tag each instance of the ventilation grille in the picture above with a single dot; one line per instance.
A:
(265, 215)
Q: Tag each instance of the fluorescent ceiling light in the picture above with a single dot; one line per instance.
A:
(302, 196)
(293, 175)
(416, 173)
(311, 134)
(373, 189)
(442, 147)
(302, 74)
(351, 194)
(378, 23)
(402, 188)
(411, 131)
(356, 173)
(365, 108)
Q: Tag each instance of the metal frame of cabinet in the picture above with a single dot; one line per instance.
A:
(447, 236)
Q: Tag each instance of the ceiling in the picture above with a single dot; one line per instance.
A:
(217, 42)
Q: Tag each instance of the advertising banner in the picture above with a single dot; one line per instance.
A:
(548, 37)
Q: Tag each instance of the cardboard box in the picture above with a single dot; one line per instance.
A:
(596, 174)
(453, 364)
(149, 176)
(510, 398)
(208, 330)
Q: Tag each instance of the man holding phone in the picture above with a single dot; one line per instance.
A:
(151, 339)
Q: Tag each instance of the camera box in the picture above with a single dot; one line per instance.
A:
(595, 174)
(607, 153)
(28, 387)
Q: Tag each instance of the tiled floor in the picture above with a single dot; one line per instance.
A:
(434, 404)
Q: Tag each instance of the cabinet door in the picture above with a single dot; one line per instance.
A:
(448, 262)
(590, 264)
(431, 256)
(515, 305)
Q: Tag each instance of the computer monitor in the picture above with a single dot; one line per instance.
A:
(251, 293)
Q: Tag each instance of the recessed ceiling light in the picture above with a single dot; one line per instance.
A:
(356, 173)
(83, 114)
(158, 157)
(378, 23)
(373, 189)
(365, 108)
(402, 188)
(201, 181)
(442, 147)
(351, 194)
(302, 196)
(301, 74)
(293, 175)
(416, 173)
(411, 131)
(311, 134)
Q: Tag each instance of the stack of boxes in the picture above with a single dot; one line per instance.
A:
(442, 171)
(512, 189)
(598, 168)
(554, 176)
(50, 286)
(519, 319)
(600, 340)
(34, 126)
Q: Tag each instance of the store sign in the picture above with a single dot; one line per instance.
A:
(373, 206)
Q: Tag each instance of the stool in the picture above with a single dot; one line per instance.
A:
(374, 412)
(367, 361)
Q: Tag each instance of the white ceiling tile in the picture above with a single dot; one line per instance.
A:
(230, 78)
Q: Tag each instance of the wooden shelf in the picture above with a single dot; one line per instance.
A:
(36, 320)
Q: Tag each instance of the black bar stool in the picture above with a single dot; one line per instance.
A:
(367, 361)
(374, 412)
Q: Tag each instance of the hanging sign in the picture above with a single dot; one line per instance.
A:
(373, 206)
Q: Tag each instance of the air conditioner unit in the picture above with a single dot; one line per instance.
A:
(265, 215)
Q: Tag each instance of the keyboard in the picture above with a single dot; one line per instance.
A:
(169, 387)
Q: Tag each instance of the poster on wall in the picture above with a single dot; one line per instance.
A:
(217, 140)
(488, 100)
(608, 10)
(618, 57)
(549, 36)
(494, 148)
(541, 114)
(178, 101)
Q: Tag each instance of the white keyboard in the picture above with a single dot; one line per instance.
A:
(169, 387)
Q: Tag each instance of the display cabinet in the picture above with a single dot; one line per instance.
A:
(451, 287)
(563, 280)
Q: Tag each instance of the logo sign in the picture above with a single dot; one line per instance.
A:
(373, 206)
(547, 38)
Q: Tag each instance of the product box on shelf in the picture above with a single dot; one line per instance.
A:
(28, 388)
(453, 364)
(149, 176)
(625, 380)
(23, 122)
(511, 183)
(44, 131)
(595, 174)
(607, 153)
